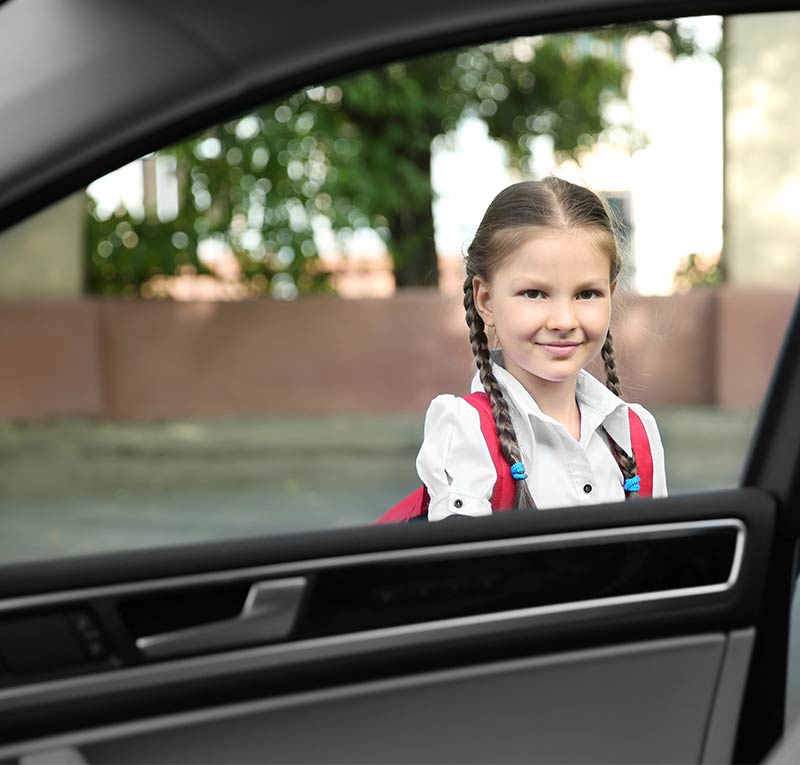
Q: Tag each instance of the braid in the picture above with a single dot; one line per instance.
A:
(507, 437)
(626, 464)
(610, 364)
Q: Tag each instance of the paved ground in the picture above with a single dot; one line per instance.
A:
(70, 487)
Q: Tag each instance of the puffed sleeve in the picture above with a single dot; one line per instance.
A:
(454, 461)
(656, 448)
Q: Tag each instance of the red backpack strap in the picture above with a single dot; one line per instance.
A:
(640, 444)
(504, 489)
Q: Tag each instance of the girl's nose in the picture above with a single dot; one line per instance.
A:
(562, 316)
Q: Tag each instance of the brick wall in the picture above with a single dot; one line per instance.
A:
(144, 360)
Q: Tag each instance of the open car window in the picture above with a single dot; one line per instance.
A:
(238, 334)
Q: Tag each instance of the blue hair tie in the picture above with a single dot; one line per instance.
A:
(632, 484)
(518, 471)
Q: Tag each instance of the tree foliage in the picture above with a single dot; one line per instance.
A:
(358, 153)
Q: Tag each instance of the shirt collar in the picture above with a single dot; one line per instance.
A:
(598, 405)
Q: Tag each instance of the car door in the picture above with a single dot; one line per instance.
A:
(657, 632)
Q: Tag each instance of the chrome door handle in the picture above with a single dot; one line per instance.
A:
(269, 613)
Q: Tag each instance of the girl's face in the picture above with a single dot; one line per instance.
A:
(549, 303)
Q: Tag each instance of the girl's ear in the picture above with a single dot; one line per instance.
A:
(613, 286)
(482, 297)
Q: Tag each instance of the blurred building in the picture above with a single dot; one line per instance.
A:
(762, 161)
(43, 257)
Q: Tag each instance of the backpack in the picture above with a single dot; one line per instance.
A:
(415, 506)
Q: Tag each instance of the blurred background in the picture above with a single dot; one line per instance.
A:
(239, 334)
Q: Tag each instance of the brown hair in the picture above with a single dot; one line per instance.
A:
(509, 221)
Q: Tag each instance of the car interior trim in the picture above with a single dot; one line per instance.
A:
(341, 693)
(441, 552)
(718, 746)
(374, 641)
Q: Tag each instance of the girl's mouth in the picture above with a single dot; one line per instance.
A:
(560, 350)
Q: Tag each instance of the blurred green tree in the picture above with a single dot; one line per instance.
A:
(358, 152)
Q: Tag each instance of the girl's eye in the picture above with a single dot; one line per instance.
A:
(533, 294)
(588, 294)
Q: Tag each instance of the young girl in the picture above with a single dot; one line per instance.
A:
(541, 272)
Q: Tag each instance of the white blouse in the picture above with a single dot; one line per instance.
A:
(455, 465)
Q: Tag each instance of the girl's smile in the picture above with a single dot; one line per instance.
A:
(549, 304)
(560, 350)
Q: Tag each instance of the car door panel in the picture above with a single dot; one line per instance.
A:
(558, 590)
(460, 715)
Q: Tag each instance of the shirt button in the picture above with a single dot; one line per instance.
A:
(458, 503)
(587, 487)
